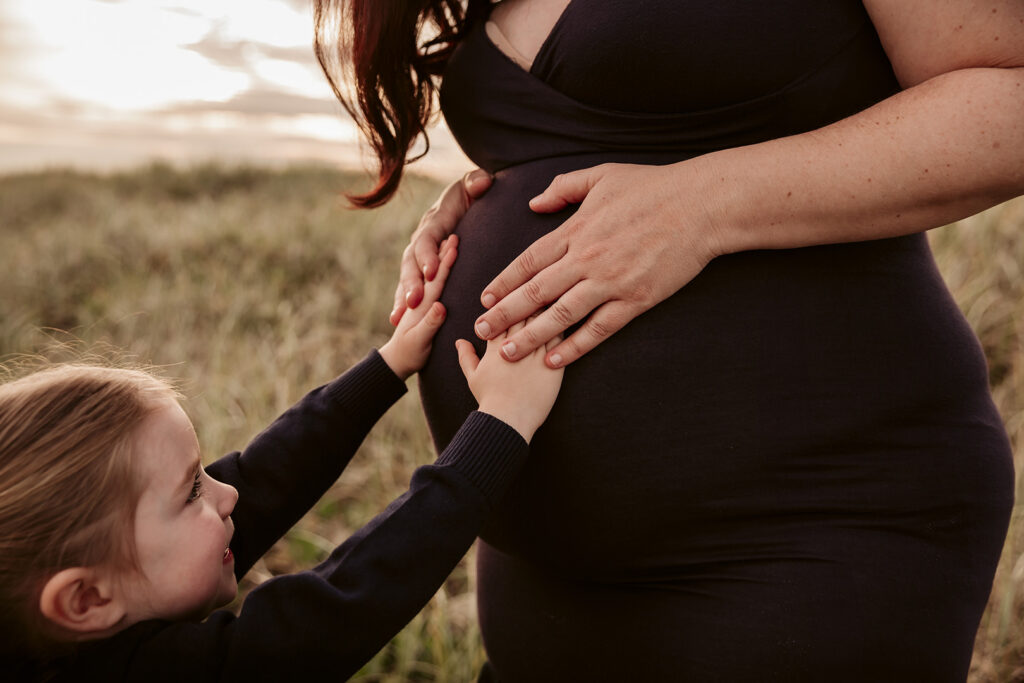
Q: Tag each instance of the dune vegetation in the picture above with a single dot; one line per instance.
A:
(253, 285)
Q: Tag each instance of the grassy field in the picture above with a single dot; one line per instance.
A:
(253, 285)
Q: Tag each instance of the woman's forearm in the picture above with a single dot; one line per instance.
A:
(927, 156)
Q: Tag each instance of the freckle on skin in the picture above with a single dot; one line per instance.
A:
(995, 145)
(789, 194)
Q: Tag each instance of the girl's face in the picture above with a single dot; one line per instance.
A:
(182, 525)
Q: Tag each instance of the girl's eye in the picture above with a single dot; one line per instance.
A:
(197, 488)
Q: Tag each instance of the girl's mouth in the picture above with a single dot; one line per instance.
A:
(228, 556)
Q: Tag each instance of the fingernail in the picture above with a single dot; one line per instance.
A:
(509, 349)
(483, 330)
(556, 359)
(488, 300)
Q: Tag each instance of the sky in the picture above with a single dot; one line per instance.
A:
(112, 83)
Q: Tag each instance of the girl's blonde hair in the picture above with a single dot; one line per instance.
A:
(67, 490)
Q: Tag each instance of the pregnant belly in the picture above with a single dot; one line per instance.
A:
(774, 384)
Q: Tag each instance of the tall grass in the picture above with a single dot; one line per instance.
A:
(256, 285)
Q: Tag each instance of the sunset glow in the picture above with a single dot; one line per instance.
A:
(105, 83)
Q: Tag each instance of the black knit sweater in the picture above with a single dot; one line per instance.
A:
(331, 619)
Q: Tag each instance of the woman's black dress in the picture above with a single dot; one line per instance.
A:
(791, 470)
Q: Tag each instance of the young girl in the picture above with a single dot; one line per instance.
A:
(115, 542)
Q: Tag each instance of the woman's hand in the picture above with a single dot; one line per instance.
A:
(420, 258)
(639, 235)
(409, 346)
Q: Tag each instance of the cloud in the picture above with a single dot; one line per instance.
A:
(300, 5)
(259, 102)
(242, 54)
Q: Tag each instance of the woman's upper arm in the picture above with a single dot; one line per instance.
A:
(926, 38)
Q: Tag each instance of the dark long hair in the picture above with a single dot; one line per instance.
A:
(385, 78)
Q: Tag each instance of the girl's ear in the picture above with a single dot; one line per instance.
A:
(82, 600)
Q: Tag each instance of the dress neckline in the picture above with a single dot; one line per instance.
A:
(545, 47)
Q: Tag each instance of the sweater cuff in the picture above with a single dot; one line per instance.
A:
(486, 451)
(367, 389)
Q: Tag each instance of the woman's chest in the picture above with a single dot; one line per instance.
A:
(673, 55)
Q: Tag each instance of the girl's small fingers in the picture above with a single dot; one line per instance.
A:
(432, 319)
(443, 248)
(467, 357)
(448, 251)
(435, 316)
(433, 289)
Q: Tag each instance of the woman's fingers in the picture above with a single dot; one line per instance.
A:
(399, 309)
(602, 323)
(567, 188)
(410, 280)
(442, 218)
(528, 299)
(552, 343)
(538, 256)
(570, 308)
(421, 258)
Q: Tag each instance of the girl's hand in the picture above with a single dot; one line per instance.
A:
(637, 238)
(409, 346)
(519, 394)
(420, 258)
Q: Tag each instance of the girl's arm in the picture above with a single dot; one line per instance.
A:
(328, 621)
(334, 618)
(292, 463)
(948, 146)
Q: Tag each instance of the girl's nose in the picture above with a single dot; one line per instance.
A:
(227, 497)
